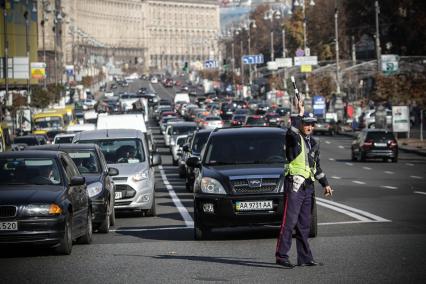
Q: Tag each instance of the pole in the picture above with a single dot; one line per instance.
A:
(378, 51)
(249, 52)
(421, 125)
(304, 27)
(43, 23)
(241, 60)
(353, 51)
(55, 49)
(6, 53)
(336, 32)
(27, 46)
(272, 43)
(285, 68)
(233, 63)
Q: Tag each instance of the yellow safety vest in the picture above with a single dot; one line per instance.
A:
(300, 165)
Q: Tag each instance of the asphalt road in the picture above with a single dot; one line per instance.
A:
(372, 230)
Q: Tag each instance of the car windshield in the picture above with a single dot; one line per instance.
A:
(86, 161)
(180, 130)
(256, 120)
(245, 149)
(48, 122)
(30, 141)
(32, 171)
(64, 140)
(380, 136)
(120, 151)
(200, 140)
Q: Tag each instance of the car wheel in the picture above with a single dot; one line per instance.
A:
(87, 237)
(106, 223)
(395, 160)
(112, 217)
(153, 211)
(313, 232)
(65, 245)
(201, 233)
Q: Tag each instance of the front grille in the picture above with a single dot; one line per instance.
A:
(23, 238)
(119, 178)
(126, 191)
(7, 211)
(266, 185)
(122, 203)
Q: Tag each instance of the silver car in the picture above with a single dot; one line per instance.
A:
(127, 151)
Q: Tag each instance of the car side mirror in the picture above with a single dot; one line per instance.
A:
(156, 160)
(77, 180)
(113, 172)
(193, 162)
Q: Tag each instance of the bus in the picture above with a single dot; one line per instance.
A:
(50, 122)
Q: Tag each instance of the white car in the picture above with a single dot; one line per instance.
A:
(212, 122)
(154, 80)
(63, 138)
(175, 146)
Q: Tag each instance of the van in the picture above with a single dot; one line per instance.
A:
(181, 98)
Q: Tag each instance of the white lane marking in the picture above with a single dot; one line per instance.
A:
(358, 211)
(389, 187)
(182, 209)
(416, 177)
(410, 164)
(346, 212)
(366, 168)
(349, 164)
(327, 142)
(334, 177)
(420, 192)
(358, 182)
(151, 229)
(344, 222)
(341, 147)
(389, 172)
(331, 159)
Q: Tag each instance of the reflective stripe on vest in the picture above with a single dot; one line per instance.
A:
(300, 165)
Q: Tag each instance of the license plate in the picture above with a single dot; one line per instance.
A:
(8, 226)
(380, 144)
(118, 195)
(253, 205)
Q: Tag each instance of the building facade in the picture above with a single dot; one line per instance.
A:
(160, 34)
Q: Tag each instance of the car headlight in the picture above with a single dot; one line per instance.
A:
(41, 210)
(211, 186)
(140, 176)
(94, 189)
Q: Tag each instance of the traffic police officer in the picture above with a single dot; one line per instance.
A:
(303, 168)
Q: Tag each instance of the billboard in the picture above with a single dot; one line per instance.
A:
(400, 119)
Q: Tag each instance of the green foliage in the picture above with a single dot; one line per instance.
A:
(41, 98)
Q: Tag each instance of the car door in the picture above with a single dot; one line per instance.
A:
(81, 197)
(109, 185)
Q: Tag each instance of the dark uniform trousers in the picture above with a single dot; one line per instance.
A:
(297, 216)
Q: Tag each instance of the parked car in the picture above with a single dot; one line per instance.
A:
(373, 144)
(239, 181)
(127, 150)
(101, 189)
(43, 200)
(325, 126)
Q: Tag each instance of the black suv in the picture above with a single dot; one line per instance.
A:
(240, 177)
(375, 143)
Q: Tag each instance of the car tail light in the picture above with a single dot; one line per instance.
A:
(392, 144)
(368, 144)
(205, 123)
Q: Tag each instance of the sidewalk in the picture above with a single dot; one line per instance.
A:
(409, 145)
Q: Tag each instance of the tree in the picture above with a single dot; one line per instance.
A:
(41, 97)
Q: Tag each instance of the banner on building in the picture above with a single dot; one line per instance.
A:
(38, 70)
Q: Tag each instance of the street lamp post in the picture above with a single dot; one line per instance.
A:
(27, 48)
(270, 15)
(250, 24)
(6, 52)
(336, 31)
(378, 51)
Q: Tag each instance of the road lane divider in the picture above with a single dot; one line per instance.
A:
(420, 192)
(388, 187)
(410, 164)
(334, 177)
(349, 164)
(327, 142)
(182, 209)
(341, 147)
(389, 172)
(331, 159)
(416, 177)
(358, 182)
(358, 214)
(367, 168)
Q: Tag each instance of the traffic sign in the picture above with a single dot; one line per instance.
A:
(300, 52)
(390, 63)
(210, 64)
(305, 68)
(252, 59)
(272, 65)
(305, 60)
(284, 62)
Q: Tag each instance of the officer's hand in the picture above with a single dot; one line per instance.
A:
(301, 107)
(328, 191)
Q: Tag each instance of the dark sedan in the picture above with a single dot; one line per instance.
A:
(92, 165)
(43, 200)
